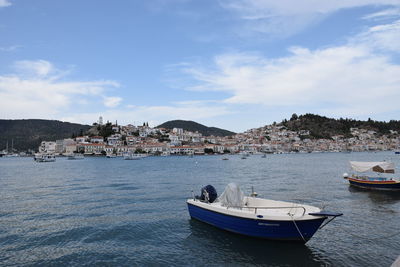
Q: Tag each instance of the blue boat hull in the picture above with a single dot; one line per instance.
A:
(381, 186)
(267, 229)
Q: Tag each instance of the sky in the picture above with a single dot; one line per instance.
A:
(232, 64)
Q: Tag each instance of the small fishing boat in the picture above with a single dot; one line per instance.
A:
(376, 181)
(111, 156)
(44, 158)
(257, 217)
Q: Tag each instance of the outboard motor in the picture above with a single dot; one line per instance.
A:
(208, 194)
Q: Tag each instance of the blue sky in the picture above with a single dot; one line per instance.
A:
(234, 64)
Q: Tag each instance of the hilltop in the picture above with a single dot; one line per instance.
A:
(28, 134)
(194, 126)
(321, 127)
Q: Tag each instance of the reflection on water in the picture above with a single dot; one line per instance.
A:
(377, 196)
(238, 249)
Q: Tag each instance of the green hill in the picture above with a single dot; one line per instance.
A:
(28, 134)
(194, 126)
(323, 127)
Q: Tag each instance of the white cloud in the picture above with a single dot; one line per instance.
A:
(112, 101)
(37, 91)
(256, 9)
(39, 68)
(352, 80)
(9, 48)
(196, 110)
(4, 3)
(383, 37)
(42, 94)
(287, 17)
(384, 14)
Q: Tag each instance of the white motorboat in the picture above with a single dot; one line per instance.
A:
(257, 217)
(132, 156)
(44, 158)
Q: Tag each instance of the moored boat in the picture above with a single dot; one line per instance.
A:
(257, 217)
(132, 156)
(376, 181)
(44, 158)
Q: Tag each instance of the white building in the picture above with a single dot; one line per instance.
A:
(47, 147)
(178, 131)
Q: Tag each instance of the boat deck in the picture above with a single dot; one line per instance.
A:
(257, 208)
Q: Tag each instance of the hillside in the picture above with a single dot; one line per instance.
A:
(28, 134)
(194, 126)
(323, 127)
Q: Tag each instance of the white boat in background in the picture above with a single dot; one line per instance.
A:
(75, 156)
(44, 158)
(14, 155)
(132, 156)
(111, 156)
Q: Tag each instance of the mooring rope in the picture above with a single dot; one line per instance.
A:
(298, 230)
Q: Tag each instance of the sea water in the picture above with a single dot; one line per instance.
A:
(116, 212)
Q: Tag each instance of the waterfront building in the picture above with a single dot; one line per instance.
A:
(97, 139)
(47, 147)
(82, 139)
(90, 149)
(70, 149)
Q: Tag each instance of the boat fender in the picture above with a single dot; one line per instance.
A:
(345, 175)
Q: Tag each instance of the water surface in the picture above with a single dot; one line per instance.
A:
(115, 212)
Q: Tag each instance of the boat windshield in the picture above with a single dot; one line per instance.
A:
(232, 196)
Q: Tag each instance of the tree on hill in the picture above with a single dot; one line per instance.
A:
(323, 127)
(28, 134)
(195, 127)
(105, 130)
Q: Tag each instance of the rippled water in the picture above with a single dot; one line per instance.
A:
(116, 212)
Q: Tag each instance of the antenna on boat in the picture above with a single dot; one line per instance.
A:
(253, 194)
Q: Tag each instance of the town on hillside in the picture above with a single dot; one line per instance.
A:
(116, 140)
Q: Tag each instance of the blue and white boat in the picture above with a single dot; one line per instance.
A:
(257, 217)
